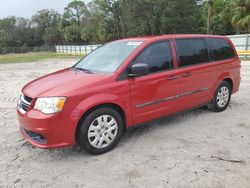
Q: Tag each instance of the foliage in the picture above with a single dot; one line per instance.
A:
(104, 20)
(16, 32)
(52, 36)
(229, 16)
(74, 15)
(75, 12)
(46, 21)
(221, 19)
(72, 34)
(241, 17)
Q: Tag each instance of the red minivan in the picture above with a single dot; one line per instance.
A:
(125, 83)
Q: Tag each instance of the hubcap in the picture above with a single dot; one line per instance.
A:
(222, 97)
(102, 131)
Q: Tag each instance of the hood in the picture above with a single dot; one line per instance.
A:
(62, 82)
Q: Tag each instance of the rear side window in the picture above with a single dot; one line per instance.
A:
(157, 56)
(220, 49)
(192, 51)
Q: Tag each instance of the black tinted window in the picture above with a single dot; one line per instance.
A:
(192, 51)
(220, 49)
(157, 56)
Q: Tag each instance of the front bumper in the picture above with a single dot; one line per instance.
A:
(46, 131)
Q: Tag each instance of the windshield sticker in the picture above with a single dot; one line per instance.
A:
(134, 43)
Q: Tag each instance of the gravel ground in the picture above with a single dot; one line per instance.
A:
(193, 149)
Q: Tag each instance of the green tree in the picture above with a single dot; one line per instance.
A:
(221, 17)
(73, 34)
(74, 15)
(46, 22)
(7, 26)
(183, 16)
(113, 12)
(24, 33)
(241, 16)
(52, 36)
(156, 17)
(75, 12)
(15, 32)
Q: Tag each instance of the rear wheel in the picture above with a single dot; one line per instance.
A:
(221, 97)
(101, 130)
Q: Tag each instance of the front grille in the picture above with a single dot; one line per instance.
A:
(24, 103)
(28, 99)
(24, 106)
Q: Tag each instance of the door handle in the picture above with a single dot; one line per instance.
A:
(172, 78)
(187, 74)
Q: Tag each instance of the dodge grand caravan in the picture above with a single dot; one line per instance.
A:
(125, 83)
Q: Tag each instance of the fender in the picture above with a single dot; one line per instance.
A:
(100, 99)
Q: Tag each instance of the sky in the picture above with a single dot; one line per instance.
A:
(27, 8)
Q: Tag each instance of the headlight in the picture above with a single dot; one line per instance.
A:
(50, 105)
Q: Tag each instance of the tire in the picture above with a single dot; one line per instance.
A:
(221, 98)
(101, 130)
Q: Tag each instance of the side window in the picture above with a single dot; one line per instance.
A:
(157, 56)
(220, 49)
(192, 51)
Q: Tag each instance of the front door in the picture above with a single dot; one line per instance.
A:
(154, 95)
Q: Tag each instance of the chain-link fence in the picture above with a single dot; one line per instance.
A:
(8, 50)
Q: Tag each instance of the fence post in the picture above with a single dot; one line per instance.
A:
(247, 41)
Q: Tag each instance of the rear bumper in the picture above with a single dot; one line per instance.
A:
(46, 131)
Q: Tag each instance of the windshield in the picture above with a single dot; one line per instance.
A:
(108, 57)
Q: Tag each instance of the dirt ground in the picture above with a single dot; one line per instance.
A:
(192, 149)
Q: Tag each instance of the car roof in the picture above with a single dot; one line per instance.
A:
(170, 36)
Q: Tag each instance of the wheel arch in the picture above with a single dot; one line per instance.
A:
(223, 77)
(115, 106)
(230, 81)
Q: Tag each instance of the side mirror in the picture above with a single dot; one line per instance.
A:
(138, 70)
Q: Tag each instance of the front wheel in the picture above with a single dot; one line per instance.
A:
(101, 130)
(221, 97)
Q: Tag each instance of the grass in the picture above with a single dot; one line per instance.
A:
(31, 57)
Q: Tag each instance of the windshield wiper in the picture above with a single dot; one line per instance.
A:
(84, 70)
